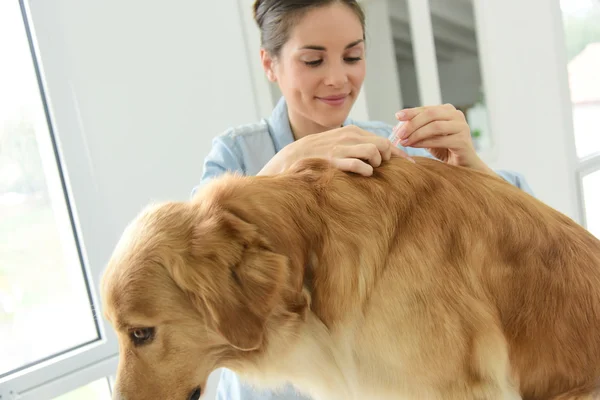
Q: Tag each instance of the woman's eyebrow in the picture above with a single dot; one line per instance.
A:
(322, 48)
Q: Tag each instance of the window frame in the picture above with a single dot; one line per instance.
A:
(89, 221)
(585, 166)
(582, 166)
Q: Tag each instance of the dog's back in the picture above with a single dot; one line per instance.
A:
(472, 246)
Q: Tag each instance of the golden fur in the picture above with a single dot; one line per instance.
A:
(423, 281)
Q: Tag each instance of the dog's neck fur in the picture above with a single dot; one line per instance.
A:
(310, 243)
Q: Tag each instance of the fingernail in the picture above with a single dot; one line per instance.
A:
(403, 142)
(400, 114)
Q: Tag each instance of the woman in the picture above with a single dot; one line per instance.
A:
(314, 50)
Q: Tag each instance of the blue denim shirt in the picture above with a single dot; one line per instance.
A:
(246, 149)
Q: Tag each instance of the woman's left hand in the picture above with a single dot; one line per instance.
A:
(443, 131)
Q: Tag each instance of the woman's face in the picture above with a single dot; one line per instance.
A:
(320, 69)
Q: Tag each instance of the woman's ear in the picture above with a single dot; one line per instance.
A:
(268, 65)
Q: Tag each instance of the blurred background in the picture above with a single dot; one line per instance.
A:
(105, 106)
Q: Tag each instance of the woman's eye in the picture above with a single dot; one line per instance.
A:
(350, 60)
(353, 59)
(313, 63)
(141, 336)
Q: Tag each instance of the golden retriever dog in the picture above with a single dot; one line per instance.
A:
(423, 281)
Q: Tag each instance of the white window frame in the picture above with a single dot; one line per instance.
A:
(90, 221)
(585, 166)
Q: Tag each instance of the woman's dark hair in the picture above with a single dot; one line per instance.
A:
(276, 18)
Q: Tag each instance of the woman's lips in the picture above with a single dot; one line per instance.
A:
(337, 100)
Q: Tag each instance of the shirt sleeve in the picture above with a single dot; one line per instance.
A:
(511, 177)
(516, 179)
(223, 157)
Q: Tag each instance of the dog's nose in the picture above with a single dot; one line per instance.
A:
(195, 395)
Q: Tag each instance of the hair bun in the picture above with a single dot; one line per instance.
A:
(259, 12)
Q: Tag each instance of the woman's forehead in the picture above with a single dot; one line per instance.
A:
(329, 27)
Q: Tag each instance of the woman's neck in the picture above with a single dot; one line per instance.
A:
(302, 126)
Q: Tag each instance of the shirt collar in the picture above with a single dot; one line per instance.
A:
(280, 128)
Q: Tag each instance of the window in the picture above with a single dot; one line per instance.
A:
(582, 34)
(42, 284)
(48, 325)
(591, 199)
(97, 390)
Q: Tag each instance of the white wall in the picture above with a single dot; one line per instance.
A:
(382, 85)
(525, 76)
(148, 87)
(138, 90)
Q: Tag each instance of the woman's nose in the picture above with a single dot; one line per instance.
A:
(336, 75)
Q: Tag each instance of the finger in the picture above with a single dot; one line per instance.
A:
(426, 116)
(402, 154)
(353, 165)
(435, 128)
(355, 135)
(435, 142)
(398, 152)
(355, 130)
(450, 142)
(365, 151)
(383, 145)
(409, 113)
(386, 147)
(389, 149)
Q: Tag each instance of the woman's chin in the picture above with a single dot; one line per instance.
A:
(330, 123)
(332, 118)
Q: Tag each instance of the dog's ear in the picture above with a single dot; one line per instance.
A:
(235, 276)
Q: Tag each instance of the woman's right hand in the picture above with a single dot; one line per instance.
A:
(348, 148)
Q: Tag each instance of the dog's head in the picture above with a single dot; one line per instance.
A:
(190, 289)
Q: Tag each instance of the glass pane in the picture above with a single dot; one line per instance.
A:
(459, 69)
(44, 303)
(98, 390)
(591, 197)
(582, 35)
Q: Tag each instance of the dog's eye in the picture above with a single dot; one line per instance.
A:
(141, 336)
